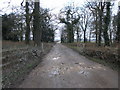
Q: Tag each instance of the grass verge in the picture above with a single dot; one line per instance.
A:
(22, 62)
(112, 65)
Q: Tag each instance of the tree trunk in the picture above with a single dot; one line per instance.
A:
(77, 35)
(84, 36)
(36, 24)
(90, 36)
(27, 34)
(21, 33)
(107, 21)
(110, 37)
(72, 34)
(118, 27)
(100, 29)
(96, 27)
(100, 23)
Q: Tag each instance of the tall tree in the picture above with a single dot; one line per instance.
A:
(106, 24)
(36, 23)
(27, 34)
(118, 27)
(85, 19)
(100, 7)
(46, 26)
(93, 8)
(70, 20)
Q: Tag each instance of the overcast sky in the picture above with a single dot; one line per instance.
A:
(56, 5)
(52, 4)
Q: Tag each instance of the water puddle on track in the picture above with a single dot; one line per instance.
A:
(56, 58)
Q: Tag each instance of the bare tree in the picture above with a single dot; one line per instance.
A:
(85, 18)
(92, 7)
(97, 9)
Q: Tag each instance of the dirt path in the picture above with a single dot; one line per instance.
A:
(64, 68)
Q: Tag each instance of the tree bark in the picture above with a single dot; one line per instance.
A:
(90, 36)
(118, 27)
(106, 25)
(100, 22)
(36, 24)
(27, 34)
(96, 27)
(77, 35)
(84, 36)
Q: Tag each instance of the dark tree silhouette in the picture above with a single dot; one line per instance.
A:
(27, 34)
(36, 23)
(70, 20)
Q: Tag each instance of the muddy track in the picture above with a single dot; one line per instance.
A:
(64, 68)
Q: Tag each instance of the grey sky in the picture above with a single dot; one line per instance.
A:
(52, 4)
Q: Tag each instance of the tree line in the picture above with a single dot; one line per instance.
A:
(94, 19)
(31, 21)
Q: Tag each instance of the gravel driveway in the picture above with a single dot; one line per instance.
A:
(65, 68)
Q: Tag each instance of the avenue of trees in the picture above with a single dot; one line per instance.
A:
(95, 19)
(31, 21)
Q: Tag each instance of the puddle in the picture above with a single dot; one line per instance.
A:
(56, 58)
